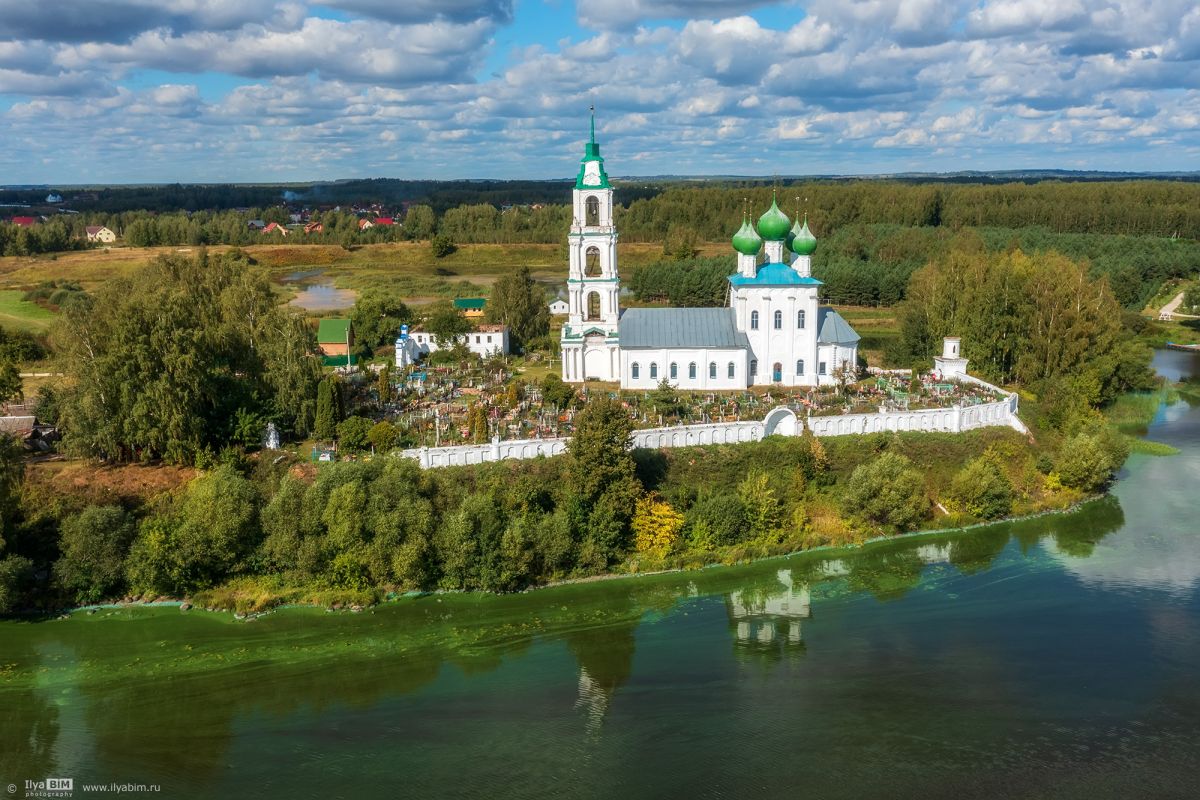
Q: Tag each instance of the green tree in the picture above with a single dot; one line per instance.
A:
(760, 503)
(558, 392)
(1085, 463)
(441, 246)
(520, 303)
(982, 489)
(601, 458)
(94, 543)
(10, 381)
(377, 318)
(353, 434)
(328, 408)
(161, 361)
(383, 384)
(446, 323)
(886, 491)
(383, 436)
(419, 222)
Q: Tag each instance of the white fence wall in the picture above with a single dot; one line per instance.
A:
(779, 421)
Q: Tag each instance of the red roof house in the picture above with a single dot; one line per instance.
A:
(275, 227)
(384, 221)
(24, 222)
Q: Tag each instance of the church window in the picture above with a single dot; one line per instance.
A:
(591, 268)
(732, 369)
(692, 370)
(593, 305)
(753, 367)
(777, 373)
(800, 367)
(635, 370)
(778, 320)
(674, 370)
(591, 208)
(800, 318)
(820, 367)
(653, 370)
(712, 369)
(753, 320)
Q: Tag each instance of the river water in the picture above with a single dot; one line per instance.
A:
(1054, 657)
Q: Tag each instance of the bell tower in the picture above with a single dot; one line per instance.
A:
(590, 336)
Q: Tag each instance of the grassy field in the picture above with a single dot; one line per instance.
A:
(877, 327)
(22, 314)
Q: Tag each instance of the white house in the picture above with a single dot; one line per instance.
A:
(100, 233)
(773, 332)
(484, 341)
(560, 308)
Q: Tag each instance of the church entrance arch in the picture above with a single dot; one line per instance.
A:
(781, 422)
(595, 363)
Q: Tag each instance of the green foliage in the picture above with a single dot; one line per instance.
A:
(10, 381)
(558, 392)
(887, 492)
(419, 222)
(16, 573)
(441, 246)
(12, 470)
(446, 323)
(760, 503)
(1090, 458)
(202, 543)
(982, 489)
(718, 519)
(383, 436)
(353, 433)
(377, 318)
(162, 361)
(330, 407)
(520, 303)
(94, 543)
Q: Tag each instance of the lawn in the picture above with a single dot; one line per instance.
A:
(22, 314)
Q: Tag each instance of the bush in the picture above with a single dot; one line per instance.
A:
(353, 433)
(717, 519)
(441, 246)
(656, 526)
(982, 489)
(888, 492)
(95, 543)
(15, 573)
(1084, 463)
(383, 436)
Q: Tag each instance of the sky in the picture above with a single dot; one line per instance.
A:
(129, 91)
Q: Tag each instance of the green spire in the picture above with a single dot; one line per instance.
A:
(593, 137)
(803, 242)
(746, 241)
(773, 225)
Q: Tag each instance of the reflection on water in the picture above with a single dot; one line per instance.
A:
(324, 297)
(1048, 657)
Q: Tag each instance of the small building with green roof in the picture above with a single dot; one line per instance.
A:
(471, 307)
(335, 337)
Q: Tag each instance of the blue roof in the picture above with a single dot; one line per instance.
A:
(681, 327)
(834, 329)
(774, 274)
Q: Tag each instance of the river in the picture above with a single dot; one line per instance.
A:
(1053, 657)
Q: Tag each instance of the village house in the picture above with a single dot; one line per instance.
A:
(256, 224)
(24, 222)
(363, 224)
(100, 233)
(471, 307)
(484, 341)
(275, 227)
(560, 308)
(314, 227)
(335, 337)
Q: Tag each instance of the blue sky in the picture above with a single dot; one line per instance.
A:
(285, 90)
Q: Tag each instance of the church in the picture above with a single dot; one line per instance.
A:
(773, 332)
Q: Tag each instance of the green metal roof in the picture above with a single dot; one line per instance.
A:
(591, 152)
(470, 303)
(333, 331)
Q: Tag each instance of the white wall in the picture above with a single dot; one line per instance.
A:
(702, 357)
(782, 421)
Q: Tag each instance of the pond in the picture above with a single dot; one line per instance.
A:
(324, 297)
(1051, 657)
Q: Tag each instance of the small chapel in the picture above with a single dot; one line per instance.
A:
(774, 330)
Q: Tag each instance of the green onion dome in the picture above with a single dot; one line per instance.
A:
(746, 241)
(803, 242)
(773, 225)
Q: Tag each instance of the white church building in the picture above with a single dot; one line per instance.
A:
(773, 332)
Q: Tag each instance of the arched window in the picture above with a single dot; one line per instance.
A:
(753, 367)
(732, 370)
(777, 373)
(593, 306)
(591, 210)
(653, 369)
(753, 320)
(674, 370)
(591, 262)
(800, 318)
(778, 320)
(800, 367)
(634, 371)
(692, 371)
(712, 369)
